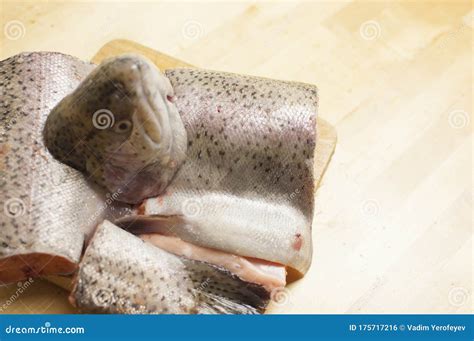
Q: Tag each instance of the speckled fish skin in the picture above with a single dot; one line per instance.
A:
(246, 186)
(47, 208)
(121, 128)
(248, 168)
(120, 273)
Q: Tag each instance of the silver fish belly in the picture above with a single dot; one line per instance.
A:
(47, 208)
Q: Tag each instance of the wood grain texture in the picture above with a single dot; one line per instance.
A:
(393, 227)
(122, 46)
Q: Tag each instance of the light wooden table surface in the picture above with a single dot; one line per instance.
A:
(393, 225)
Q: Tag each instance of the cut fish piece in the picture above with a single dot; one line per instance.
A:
(120, 273)
(47, 208)
(247, 184)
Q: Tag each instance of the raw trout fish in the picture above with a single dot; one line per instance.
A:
(47, 208)
(221, 169)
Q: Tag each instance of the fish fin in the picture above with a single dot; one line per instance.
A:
(221, 292)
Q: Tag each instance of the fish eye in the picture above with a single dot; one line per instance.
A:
(123, 126)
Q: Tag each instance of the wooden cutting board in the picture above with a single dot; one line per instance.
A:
(41, 296)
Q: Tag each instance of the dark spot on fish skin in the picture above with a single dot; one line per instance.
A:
(298, 242)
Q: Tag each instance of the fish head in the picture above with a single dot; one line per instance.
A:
(121, 128)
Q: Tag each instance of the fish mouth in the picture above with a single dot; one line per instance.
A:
(153, 116)
(147, 120)
(148, 128)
